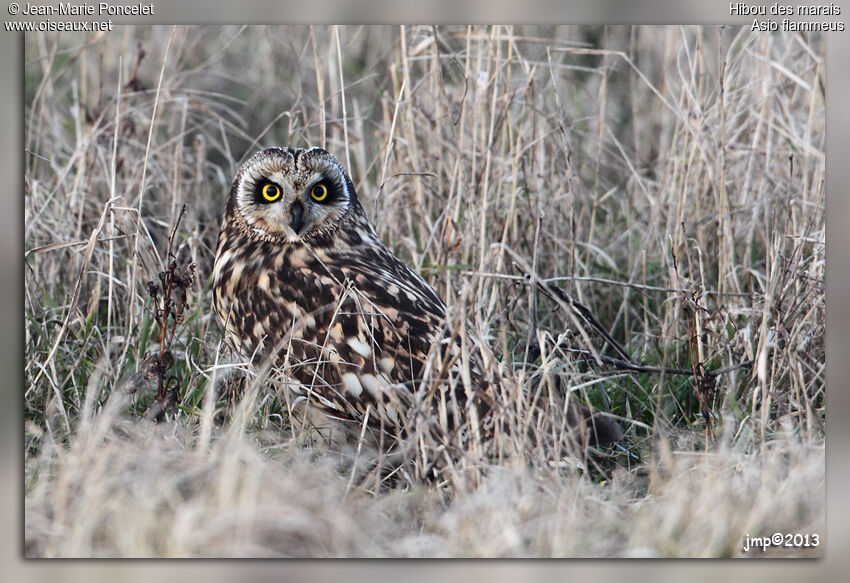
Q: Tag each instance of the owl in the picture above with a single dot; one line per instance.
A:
(303, 283)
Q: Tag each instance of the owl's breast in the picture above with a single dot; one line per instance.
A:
(348, 323)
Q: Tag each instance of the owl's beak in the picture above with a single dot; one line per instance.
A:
(297, 218)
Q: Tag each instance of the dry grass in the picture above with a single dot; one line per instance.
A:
(679, 176)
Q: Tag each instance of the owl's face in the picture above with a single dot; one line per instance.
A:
(289, 195)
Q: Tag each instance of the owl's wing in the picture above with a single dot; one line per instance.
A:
(354, 340)
(412, 323)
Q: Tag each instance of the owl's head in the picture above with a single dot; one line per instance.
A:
(288, 195)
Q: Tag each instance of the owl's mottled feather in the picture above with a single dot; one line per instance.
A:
(304, 280)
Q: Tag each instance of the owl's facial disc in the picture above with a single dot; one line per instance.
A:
(289, 195)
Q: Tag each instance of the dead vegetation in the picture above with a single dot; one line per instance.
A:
(670, 179)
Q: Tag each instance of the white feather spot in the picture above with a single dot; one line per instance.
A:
(386, 364)
(352, 384)
(370, 383)
(359, 347)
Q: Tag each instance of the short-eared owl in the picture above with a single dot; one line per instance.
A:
(302, 278)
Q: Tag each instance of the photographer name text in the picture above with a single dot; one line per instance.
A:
(99, 9)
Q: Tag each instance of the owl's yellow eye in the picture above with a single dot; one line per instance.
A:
(271, 192)
(319, 192)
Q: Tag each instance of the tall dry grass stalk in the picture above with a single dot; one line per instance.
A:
(670, 178)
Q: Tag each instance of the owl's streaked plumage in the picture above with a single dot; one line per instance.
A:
(301, 277)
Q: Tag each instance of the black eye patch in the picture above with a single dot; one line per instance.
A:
(325, 191)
